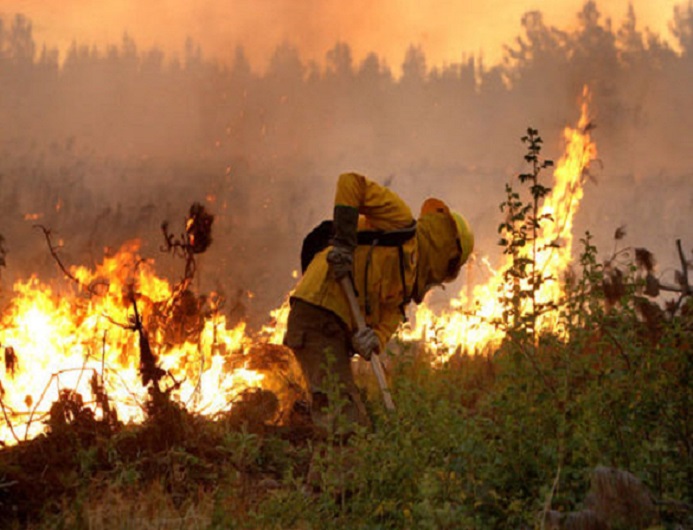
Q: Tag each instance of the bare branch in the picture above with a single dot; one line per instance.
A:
(54, 253)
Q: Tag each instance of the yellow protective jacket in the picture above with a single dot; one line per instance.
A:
(426, 257)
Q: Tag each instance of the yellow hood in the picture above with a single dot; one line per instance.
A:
(439, 249)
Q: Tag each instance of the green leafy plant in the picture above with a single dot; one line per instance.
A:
(519, 238)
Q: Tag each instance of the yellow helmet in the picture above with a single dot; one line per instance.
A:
(465, 235)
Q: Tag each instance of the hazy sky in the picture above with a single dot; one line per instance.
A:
(446, 29)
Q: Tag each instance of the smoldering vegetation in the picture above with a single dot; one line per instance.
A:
(102, 145)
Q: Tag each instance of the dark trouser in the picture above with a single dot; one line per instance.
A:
(311, 333)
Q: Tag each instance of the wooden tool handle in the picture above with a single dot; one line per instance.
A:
(361, 324)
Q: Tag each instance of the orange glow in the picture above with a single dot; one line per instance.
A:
(62, 336)
(445, 30)
(468, 324)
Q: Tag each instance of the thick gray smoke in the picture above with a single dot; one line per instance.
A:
(104, 145)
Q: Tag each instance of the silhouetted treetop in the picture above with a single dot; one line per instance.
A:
(126, 99)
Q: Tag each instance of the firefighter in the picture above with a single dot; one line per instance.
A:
(399, 261)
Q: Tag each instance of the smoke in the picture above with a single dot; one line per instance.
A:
(103, 145)
(445, 29)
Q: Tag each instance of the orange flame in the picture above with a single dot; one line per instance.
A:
(60, 339)
(468, 325)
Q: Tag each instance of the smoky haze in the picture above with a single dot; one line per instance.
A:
(103, 145)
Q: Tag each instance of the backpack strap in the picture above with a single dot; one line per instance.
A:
(369, 259)
(390, 238)
(393, 238)
(320, 237)
(405, 296)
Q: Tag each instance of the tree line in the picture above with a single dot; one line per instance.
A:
(124, 100)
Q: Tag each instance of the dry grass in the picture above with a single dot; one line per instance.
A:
(150, 509)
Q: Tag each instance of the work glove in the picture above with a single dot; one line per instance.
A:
(341, 262)
(341, 255)
(365, 342)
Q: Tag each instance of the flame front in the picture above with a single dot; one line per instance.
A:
(60, 340)
(470, 323)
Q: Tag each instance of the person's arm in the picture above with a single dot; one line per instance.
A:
(382, 207)
(356, 195)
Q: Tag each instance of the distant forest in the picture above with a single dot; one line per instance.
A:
(116, 139)
(124, 100)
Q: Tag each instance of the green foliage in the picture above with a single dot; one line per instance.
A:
(519, 238)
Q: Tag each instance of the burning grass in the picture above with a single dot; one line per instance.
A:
(168, 466)
(118, 385)
(119, 334)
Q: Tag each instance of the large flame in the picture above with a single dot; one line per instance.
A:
(55, 340)
(470, 324)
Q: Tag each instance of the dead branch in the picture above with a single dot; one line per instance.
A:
(103, 355)
(134, 396)
(81, 373)
(55, 376)
(618, 345)
(180, 247)
(654, 285)
(149, 369)
(195, 240)
(198, 386)
(54, 253)
(7, 418)
(92, 288)
(549, 498)
(33, 410)
(3, 251)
